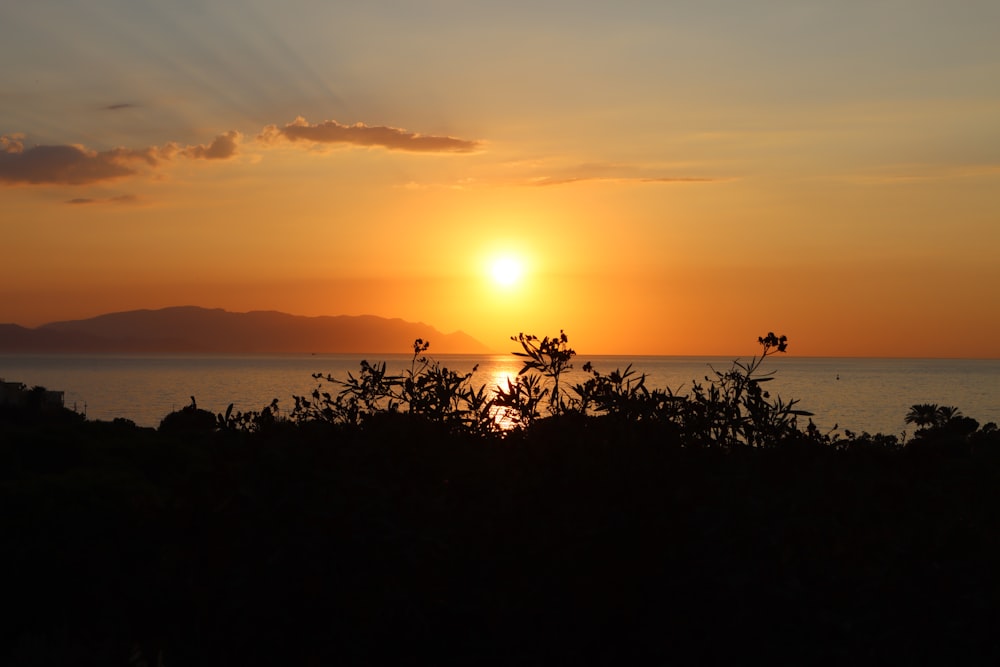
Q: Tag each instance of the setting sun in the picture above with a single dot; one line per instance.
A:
(536, 188)
(506, 271)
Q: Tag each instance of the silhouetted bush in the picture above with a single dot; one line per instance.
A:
(400, 518)
(189, 420)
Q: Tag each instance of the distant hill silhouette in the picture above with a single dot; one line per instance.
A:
(194, 329)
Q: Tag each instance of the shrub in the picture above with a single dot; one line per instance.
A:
(426, 390)
(189, 420)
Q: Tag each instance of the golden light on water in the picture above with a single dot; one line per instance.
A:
(501, 376)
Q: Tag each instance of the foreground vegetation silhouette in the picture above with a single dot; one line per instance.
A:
(418, 516)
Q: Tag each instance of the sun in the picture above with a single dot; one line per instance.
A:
(506, 271)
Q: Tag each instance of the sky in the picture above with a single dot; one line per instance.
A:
(670, 177)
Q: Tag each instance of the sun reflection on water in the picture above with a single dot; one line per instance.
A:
(501, 371)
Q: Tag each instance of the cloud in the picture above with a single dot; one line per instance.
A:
(120, 199)
(65, 165)
(224, 146)
(895, 174)
(544, 181)
(550, 181)
(460, 184)
(613, 173)
(680, 179)
(119, 106)
(359, 134)
(71, 164)
(12, 143)
(554, 171)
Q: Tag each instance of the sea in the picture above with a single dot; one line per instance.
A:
(856, 394)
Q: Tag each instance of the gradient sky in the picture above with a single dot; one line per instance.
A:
(676, 177)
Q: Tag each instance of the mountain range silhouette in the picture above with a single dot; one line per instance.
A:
(214, 330)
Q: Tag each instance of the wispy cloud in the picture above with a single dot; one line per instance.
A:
(546, 176)
(549, 181)
(359, 134)
(681, 179)
(552, 172)
(119, 106)
(918, 172)
(460, 184)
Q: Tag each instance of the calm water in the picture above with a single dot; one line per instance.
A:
(870, 395)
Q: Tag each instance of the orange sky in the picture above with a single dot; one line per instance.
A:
(674, 180)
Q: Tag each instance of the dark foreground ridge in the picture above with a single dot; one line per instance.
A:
(575, 536)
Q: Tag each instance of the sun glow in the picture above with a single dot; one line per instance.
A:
(506, 270)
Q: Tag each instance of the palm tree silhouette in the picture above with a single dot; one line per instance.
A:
(947, 413)
(924, 415)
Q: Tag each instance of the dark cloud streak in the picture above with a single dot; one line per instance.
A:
(549, 181)
(120, 199)
(359, 134)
